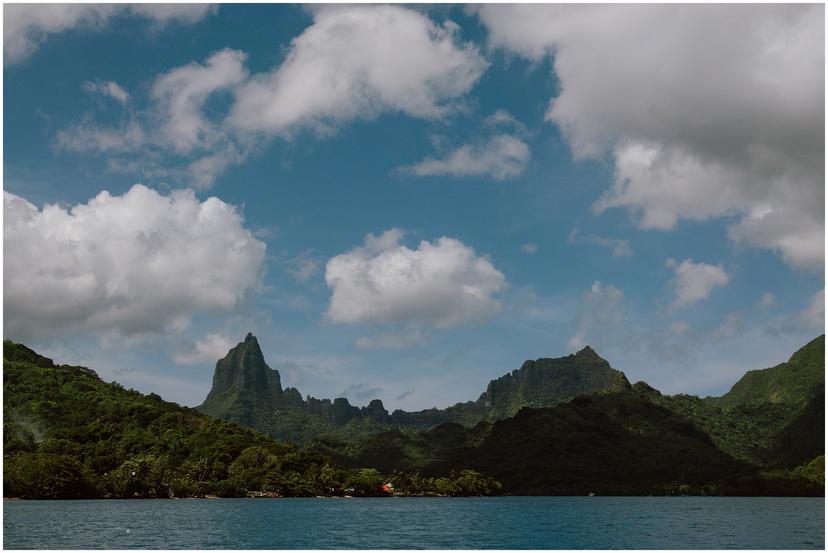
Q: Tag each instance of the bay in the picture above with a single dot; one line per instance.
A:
(412, 523)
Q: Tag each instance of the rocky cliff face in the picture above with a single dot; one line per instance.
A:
(540, 383)
(243, 370)
(247, 391)
(547, 382)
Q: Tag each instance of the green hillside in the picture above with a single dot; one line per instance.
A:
(634, 440)
(619, 443)
(247, 391)
(791, 383)
(68, 434)
(772, 417)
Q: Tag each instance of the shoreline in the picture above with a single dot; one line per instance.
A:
(16, 499)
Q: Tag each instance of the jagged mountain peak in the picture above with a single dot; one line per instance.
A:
(588, 353)
(244, 370)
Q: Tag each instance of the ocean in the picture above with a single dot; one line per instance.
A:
(419, 523)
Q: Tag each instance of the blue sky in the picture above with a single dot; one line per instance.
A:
(408, 202)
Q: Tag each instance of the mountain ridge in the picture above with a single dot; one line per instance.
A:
(246, 390)
(68, 434)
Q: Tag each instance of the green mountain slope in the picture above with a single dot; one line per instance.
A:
(772, 417)
(791, 383)
(619, 443)
(615, 444)
(635, 440)
(68, 434)
(245, 390)
(539, 383)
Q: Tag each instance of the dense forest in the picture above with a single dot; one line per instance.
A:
(68, 434)
(764, 437)
(247, 391)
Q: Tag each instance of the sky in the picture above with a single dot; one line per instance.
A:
(406, 202)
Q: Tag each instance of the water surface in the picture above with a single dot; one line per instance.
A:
(432, 523)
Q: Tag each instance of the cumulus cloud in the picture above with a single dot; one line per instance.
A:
(355, 62)
(137, 263)
(207, 350)
(731, 125)
(501, 157)
(601, 310)
(440, 284)
(694, 281)
(26, 26)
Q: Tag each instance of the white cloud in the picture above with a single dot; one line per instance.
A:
(601, 310)
(402, 340)
(731, 326)
(207, 350)
(440, 284)
(89, 137)
(204, 171)
(304, 266)
(107, 88)
(137, 263)
(618, 246)
(175, 123)
(530, 247)
(502, 119)
(499, 152)
(355, 62)
(26, 26)
(181, 13)
(692, 139)
(813, 316)
(502, 157)
(694, 281)
(180, 95)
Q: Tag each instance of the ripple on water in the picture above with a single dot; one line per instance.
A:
(410, 523)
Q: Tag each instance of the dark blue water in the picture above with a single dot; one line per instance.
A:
(432, 523)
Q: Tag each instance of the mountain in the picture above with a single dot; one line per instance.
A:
(791, 383)
(539, 383)
(615, 443)
(245, 390)
(70, 435)
(773, 417)
(765, 437)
